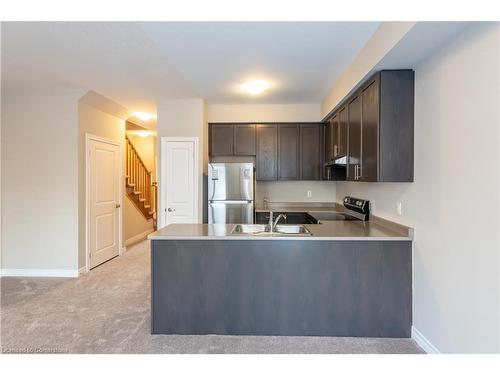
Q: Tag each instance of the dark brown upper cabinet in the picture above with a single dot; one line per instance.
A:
(244, 140)
(221, 139)
(368, 170)
(354, 147)
(267, 152)
(310, 152)
(232, 139)
(288, 152)
(342, 133)
(377, 122)
(329, 138)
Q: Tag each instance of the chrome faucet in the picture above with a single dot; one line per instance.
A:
(275, 222)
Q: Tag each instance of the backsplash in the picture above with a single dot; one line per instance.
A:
(295, 191)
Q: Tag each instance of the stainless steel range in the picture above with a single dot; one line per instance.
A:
(355, 209)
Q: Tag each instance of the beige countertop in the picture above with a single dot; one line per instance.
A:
(377, 230)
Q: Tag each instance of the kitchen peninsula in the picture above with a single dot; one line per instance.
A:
(348, 278)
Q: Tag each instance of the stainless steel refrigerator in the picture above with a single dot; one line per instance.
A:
(230, 193)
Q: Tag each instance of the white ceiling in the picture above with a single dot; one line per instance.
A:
(136, 63)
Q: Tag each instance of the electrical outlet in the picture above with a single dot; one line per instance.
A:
(399, 208)
(309, 194)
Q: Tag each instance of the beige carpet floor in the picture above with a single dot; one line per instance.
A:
(108, 311)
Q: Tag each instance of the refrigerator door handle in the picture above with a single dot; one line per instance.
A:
(232, 202)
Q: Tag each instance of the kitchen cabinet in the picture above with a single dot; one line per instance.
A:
(232, 139)
(354, 124)
(267, 152)
(329, 138)
(244, 139)
(262, 217)
(221, 139)
(310, 152)
(376, 125)
(283, 151)
(368, 169)
(342, 133)
(288, 152)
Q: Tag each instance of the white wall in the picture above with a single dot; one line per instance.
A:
(278, 191)
(456, 248)
(383, 40)
(92, 120)
(183, 118)
(40, 179)
(300, 112)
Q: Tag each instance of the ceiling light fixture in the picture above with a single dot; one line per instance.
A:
(144, 116)
(143, 133)
(255, 87)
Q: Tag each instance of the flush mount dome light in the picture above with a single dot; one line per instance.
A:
(255, 87)
(143, 133)
(144, 116)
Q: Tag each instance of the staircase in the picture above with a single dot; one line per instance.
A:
(139, 183)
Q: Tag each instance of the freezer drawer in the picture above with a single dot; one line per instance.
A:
(230, 212)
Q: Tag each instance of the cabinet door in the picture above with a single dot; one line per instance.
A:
(244, 140)
(267, 152)
(370, 133)
(328, 141)
(354, 128)
(310, 136)
(335, 135)
(342, 132)
(288, 152)
(221, 139)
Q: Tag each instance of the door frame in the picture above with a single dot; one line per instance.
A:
(91, 137)
(162, 187)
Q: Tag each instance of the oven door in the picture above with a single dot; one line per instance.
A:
(230, 212)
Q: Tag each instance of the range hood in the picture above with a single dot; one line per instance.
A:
(340, 161)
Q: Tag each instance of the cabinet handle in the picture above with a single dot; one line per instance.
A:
(360, 172)
(357, 172)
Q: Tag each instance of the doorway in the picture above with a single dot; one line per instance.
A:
(103, 200)
(179, 180)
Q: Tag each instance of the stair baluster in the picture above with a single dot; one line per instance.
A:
(139, 183)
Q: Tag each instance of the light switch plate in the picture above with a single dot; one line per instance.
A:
(309, 194)
(399, 208)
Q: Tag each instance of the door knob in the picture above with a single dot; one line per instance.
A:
(171, 209)
(117, 205)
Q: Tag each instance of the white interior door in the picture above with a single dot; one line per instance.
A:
(104, 201)
(179, 182)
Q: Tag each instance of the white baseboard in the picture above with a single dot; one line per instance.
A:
(423, 342)
(18, 272)
(138, 237)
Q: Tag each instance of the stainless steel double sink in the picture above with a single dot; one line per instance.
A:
(265, 230)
